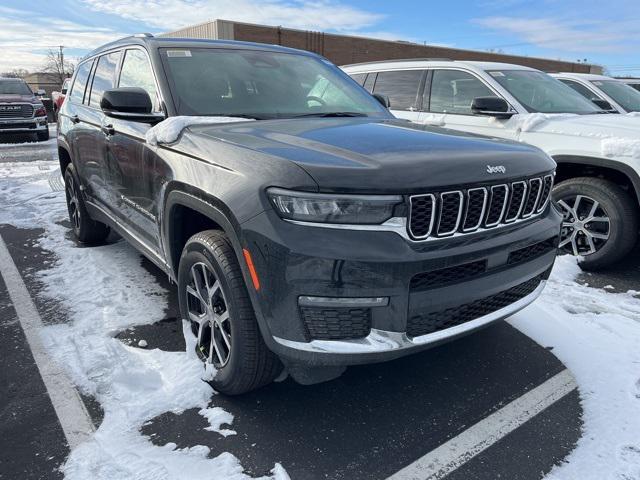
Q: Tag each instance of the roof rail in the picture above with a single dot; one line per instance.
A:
(393, 60)
(144, 35)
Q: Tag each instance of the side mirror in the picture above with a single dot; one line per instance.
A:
(491, 106)
(129, 103)
(603, 104)
(383, 99)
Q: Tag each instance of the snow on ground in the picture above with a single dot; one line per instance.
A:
(106, 290)
(596, 334)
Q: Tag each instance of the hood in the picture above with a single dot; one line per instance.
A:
(371, 155)
(12, 98)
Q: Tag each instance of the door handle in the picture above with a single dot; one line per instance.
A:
(108, 129)
(74, 118)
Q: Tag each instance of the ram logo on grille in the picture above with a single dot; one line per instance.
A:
(10, 108)
(455, 212)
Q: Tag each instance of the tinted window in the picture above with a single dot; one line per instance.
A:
(453, 91)
(581, 89)
(401, 87)
(539, 92)
(104, 77)
(622, 93)
(370, 81)
(136, 72)
(359, 77)
(79, 84)
(261, 84)
(14, 87)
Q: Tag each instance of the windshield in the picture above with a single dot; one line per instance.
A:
(539, 92)
(262, 85)
(623, 94)
(14, 88)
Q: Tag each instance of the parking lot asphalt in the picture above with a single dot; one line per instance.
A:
(370, 423)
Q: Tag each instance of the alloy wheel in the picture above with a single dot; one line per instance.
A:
(73, 202)
(586, 226)
(209, 316)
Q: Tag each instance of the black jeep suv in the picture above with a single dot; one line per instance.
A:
(304, 225)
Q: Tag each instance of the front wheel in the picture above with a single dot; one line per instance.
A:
(214, 299)
(600, 221)
(85, 228)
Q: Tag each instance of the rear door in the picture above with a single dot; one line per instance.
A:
(448, 98)
(136, 172)
(403, 88)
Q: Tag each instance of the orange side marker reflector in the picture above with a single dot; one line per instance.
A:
(252, 269)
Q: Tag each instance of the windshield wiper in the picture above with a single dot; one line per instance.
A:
(332, 114)
(239, 115)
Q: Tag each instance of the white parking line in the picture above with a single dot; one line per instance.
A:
(459, 450)
(70, 409)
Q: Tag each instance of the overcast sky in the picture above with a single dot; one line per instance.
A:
(604, 32)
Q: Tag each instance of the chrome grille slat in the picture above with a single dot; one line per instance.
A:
(459, 212)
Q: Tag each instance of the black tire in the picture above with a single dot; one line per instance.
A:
(43, 136)
(85, 229)
(621, 209)
(250, 364)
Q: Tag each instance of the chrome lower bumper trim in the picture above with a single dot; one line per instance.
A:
(381, 341)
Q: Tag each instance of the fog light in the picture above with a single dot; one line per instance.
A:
(345, 302)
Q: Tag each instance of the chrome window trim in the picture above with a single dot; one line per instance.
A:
(505, 202)
(380, 341)
(460, 206)
(484, 209)
(530, 185)
(524, 199)
(433, 214)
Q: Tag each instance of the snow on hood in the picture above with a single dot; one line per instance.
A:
(168, 130)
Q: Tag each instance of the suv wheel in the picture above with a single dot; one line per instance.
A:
(85, 228)
(214, 298)
(600, 221)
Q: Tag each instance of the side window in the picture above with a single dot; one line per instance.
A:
(452, 91)
(370, 82)
(137, 72)
(581, 89)
(401, 87)
(80, 83)
(104, 77)
(359, 77)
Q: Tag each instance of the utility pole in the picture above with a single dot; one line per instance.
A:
(64, 74)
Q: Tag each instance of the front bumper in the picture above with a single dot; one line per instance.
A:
(295, 261)
(22, 125)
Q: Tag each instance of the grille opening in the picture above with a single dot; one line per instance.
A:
(336, 323)
(430, 322)
(450, 207)
(535, 187)
(533, 251)
(447, 276)
(476, 201)
(497, 205)
(422, 210)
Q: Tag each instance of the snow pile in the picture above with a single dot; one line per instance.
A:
(596, 334)
(530, 121)
(620, 147)
(216, 416)
(168, 130)
(132, 385)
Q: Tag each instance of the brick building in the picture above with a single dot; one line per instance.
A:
(345, 49)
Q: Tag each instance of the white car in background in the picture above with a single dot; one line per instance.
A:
(598, 88)
(598, 154)
(633, 82)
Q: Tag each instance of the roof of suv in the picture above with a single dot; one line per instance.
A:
(415, 63)
(156, 42)
(583, 76)
(11, 79)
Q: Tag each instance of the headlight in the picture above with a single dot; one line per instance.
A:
(333, 208)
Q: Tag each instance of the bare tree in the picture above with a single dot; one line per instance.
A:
(15, 73)
(56, 64)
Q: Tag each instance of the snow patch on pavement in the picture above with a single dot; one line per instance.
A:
(216, 416)
(596, 334)
(105, 289)
(168, 130)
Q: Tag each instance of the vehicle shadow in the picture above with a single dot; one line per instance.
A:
(18, 138)
(620, 277)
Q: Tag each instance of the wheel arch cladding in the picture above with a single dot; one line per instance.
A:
(64, 158)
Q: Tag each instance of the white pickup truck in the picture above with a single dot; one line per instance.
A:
(598, 153)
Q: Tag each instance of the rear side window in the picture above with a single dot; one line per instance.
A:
(581, 89)
(401, 87)
(137, 72)
(453, 91)
(104, 77)
(80, 83)
(359, 77)
(370, 82)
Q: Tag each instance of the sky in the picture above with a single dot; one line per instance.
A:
(602, 32)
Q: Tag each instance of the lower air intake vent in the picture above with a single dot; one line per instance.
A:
(336, 323)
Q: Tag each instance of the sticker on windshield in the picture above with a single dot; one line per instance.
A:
(496, 74)
(178, 53)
